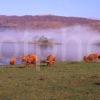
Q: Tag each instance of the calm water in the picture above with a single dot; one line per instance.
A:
(75, 43)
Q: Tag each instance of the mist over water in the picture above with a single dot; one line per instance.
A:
(75, 42)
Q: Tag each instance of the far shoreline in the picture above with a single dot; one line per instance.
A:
(36, 43)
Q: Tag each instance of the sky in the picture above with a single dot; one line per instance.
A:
(73, 8)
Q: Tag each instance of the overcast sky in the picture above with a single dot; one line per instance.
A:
(77, 8)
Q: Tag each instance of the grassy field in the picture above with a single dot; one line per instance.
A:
(64, 81)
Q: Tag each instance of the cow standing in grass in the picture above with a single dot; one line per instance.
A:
(51, 60)
(29, 59)
(92, 58)
(13, 61)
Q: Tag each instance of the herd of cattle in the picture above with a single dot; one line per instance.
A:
(33, 59)
(51, 59)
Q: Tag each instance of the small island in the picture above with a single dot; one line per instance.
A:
(44, 41)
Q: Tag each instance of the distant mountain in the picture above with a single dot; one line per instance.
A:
(46, 22)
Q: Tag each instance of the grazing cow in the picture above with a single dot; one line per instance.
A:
(51, 60)
(86, 59)
(34, 59)
(91, 58)
(13, 61)
(29, 59)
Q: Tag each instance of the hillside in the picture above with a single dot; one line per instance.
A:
(45, 22)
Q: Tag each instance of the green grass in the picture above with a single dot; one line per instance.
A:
(64, 81)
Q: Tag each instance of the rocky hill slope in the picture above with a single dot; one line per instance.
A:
(46, 22)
